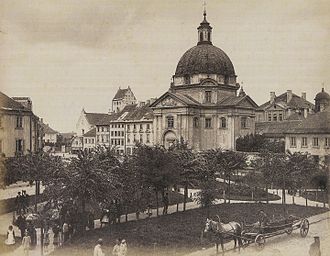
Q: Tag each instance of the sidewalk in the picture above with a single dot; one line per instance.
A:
(12, 190)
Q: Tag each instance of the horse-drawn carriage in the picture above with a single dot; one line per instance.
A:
(259, 233)
(256, 233)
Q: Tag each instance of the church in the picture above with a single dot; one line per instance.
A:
(203, 106)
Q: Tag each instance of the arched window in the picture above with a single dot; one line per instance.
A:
(196, 122)
(223, 122)
(201, 36)
(209, 36)
(170, 122)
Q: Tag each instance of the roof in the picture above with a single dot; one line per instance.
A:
(121, 93)
(136, 112)
(316, 123)
(107, 119)
(205, 59)
(296, 102)
(7, 103)
(94, 118)
(47, 129)
(275, 129)
(90, 133)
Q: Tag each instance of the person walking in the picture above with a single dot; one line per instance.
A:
(65, 230)
(123, 248)
(26, 242)
(166, 202)
(18, 202)
(116, 248)
(21, 224)
(10, 236)
(314, 249)
(98, 248)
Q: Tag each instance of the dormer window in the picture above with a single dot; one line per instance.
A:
(187, 79)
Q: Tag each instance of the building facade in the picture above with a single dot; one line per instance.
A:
(203, 106)
(122, 98)
(20, 131)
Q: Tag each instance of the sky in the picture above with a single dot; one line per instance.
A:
(72, 54)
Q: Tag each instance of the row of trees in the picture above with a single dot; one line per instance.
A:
(97, 178)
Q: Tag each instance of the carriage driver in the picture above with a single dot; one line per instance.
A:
(262, 218)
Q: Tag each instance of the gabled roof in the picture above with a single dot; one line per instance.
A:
(47, 129)
(275, 129)
(90, 133)
(234, 101)
(107, 119)
(137, 113)
(316, 123)
(7, 103)
(182, 98)
(120, 94)
(296, 102)
(94, 118)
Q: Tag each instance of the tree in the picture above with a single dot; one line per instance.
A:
(259, 143)
(157, 168)
(188, 164)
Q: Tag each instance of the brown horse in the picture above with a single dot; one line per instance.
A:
(231, 231)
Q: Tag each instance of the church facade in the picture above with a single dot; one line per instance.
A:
(203, 106)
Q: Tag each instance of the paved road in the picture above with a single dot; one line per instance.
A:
(284, 245)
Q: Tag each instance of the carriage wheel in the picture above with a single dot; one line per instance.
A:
(304, 227)
(289, 230)
(260, 241)
(245, 240)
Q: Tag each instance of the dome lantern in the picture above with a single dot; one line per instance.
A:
(204, 31)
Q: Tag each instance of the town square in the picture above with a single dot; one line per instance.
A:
(155, 128)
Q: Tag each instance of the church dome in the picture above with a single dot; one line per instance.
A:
(322, 95)
(205, 59)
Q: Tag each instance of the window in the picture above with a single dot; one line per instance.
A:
(102, 129)
(315, 142)
(326, 142)
(129, 151)
(98, 138)
(293, 143)
(19, 122)
(304, 142)
(196, 122)
(223, 122)
(141, 127)
(201, 37)
(128, 127)
(122, 142)
(208, 123)
(111, 133)
(86, 141)
(269, 117)
(148, 126)
(243, 122)
(128, 139)
(280, 117)
(170, 122)
(187, 79)
(275, 117)
(19, 146)
(148, 138)
(134, 126)
(134, 138)
(208, 96)
(141, 138)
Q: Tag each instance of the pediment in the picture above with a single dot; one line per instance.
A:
(168, 101)
(247, 102)
(275, 107)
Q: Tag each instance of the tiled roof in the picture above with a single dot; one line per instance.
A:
(317, 123)
(7, 103)
(47, 129)
(107, 119)
(90, 133)
(136, 112)
(120, 94)
(275, 129)
(94, 118)
(296, 102)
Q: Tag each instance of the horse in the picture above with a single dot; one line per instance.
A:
(232, 230)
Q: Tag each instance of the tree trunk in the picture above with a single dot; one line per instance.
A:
(185, 195)
(157, 205)
(267, 194)
(36, 196)
(306, 197)
(229, 189)
(126, 213)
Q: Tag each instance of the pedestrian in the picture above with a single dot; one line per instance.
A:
(56, 232)
(65, 230)
(98, 248)
(18, 202)
(26, 242)
(25, 201)
(116, 248)
(21, 224)
(314, 249)
(32, 233)
(165, 202)
(123, 248)
(10, 236)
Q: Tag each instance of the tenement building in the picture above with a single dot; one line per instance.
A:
(312, 135)
(20, 131)
(202, 105)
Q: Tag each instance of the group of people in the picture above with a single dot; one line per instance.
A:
(119, 249)
(22, 202)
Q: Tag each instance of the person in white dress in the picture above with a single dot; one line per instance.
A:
(123, 248)
(98, 248)
(26, 242)
(10, 236)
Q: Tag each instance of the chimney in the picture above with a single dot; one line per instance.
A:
(303, 95)
(272, 97)
(41, 120)
(305, 112)
(288, 96)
